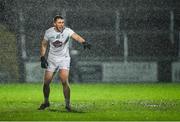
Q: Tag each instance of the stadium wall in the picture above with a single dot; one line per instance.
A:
(109, 72)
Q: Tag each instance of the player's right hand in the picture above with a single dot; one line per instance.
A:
(86, 45)
(44, 62)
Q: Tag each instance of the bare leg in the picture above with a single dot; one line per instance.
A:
(64, 74)
(46, 86)
(46, 89)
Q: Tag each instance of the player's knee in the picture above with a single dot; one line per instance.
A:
(63, 79)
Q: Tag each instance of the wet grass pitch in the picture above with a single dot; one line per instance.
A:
(92, 101)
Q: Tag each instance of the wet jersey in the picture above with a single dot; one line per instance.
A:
(59, 43)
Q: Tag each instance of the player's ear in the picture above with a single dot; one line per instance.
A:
(54, 23)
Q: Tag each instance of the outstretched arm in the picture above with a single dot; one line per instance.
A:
(78, 38)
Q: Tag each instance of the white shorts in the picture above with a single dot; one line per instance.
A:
(54, 66)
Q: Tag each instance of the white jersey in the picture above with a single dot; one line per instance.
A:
(59, 43)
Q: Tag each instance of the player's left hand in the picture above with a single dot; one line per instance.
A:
(44, 62)
(86, 45)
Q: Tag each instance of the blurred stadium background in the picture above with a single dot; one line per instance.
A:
(133, 40)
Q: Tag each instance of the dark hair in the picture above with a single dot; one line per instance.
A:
(57, 17)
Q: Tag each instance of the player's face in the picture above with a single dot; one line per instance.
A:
(59, 24)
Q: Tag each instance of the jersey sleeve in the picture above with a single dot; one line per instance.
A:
(46, 36)
(70, 32)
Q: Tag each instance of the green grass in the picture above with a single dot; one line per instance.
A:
(125, 101)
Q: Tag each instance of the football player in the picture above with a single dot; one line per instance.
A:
(58, 59)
